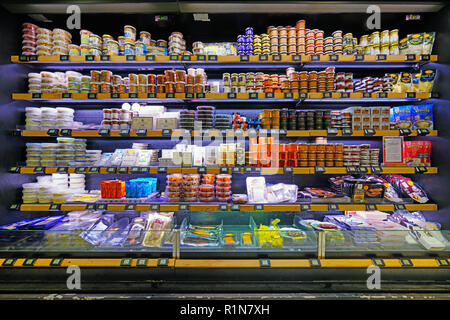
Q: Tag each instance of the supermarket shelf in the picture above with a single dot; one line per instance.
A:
(238, 170)
(193, 206)
(223, 97)
(214, 132)
(214, 61)
(217, 263)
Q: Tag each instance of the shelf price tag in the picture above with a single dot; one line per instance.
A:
(381, 57)
(55, 206)
(162, 170)
(315, 58)
(345, 95)
(166, 132)
(276, 57)
(102, 206)
(52, 132)
(141, 132)
(38, 170)
(104, 132)
(92, 96)
(319, 170)
(296, 58)
(367, 95)
(90, 206)
(288, 95)
(264, 263)
(66, 95)
(363, 170)
(14, 170)
(399, 206)
(111, 170)
(269, 95)
(184, 207)
(189, 96)
(185, 57)
(9, 262)
(235, 207)
(224, 169)
(170, 95)
(123, 170)
(66, 132)
(29, 262)
(94, 170)
(236, 170)
(149, 58)
(334, 57)
(443, 262)
(132, 95)
(130, 207)
(359, 57)
(377, 170)
(288, 170)
(378, 262)
(244, 58)
(14, 207)
(200, 96)
(406, 262)
(145, 170)
(411, 95)
(155, 207)
(333, 207)
(115, 95)
(151, 95)
(305, 207)
(125, 132)
(369, 132)
(163, 262)
(434, 95)
(326, 95)
(423, 132)
(253, 95)
(62, 170)
(141, 262)
(212, 57)
(404, 132)
(302, 95)
(315, 263)
(173, 57)
(126, 262)
(263, 57)
(332, 132)
(223, 207)
(56, 262)
(351, 170)
(33, 58)
(347, 132)
(201, 57)
(410, 57)
(382, 95)
(259, 207)
(36, 95)
(104, 57)
(231, 95)
(371, 207)
(135, 170)
(89, 58)
(201, 170)
(23, 58)
(421, 169)
(424, 57)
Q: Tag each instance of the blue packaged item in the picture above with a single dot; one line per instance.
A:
(240, 47)
(241, 38)
(402, 117)
(140, 188)
(47, 223)
(249, 31)
(423, 116)
(249, 47)
(116, 234)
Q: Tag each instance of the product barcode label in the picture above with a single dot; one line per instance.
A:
(166, 132)
(377, 170)
(55, 206)
(9, 262)
(141, 132)
(56, 262)
(36, 95)
(201, 170)
(162, 170)
(423, 132)
(288, 170)
(102, 206)
(38, 170)
(405, 132)
(189, 95)
(66, 132)
(141, 262)
(347, 132)
(125, 262)
(399, 207)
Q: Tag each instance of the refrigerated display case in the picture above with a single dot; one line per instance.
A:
(232, 157)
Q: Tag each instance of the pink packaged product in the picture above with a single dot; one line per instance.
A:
(390, 193)
(408, 187)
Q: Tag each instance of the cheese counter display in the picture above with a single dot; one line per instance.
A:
(295, 140)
